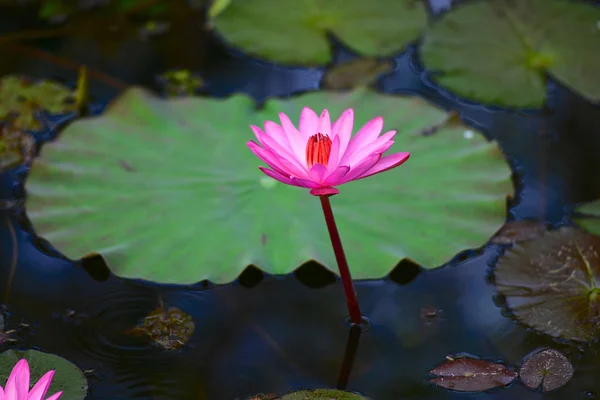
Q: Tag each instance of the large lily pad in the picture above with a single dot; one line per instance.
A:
(166, 190)
(552, 283)
(499, 51)
(266, 28)
(67, 376)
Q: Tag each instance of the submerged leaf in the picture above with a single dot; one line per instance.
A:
(67, 378)
(499, 51)
(180, 82)
(266, 28)
(322, 394)
(16, 147)
(519, 231)
(153, 184)
(354, 73)
(548, 368)
(551, 283)
(170, 329)
(472, 375)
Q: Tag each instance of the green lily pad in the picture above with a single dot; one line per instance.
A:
(166, 190)
(23, 98)
(499, 51)
(67, 377)
(322, 394)
(591, 221)
(267, 28)
(552, 283)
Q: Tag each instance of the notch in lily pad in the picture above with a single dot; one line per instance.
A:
(68, 378)
(547, 368)
(469, 374)
(552, 283)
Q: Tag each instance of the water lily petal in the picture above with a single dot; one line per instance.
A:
(387, 162)
(41, 387)
(358, 170)
(334, 155)
(55, 396)
(367, 134)
(318, 173)
(336, 176)
(307, 183)
(275, 147)
(274, 161)
(379, 145)
(276, 175)
(309, 122)
(296, 140)
(343, 128)
(324, 126)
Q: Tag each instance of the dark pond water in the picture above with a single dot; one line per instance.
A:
(265, 334)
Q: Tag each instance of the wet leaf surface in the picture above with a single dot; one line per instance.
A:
(548, 368)
(519, 231)
(453, 195)
(551, 283)
(472, 375)
(523, 41)
(354, 73)
(67, 378)
(375, 28)
(591, 219)
(169, 329)
(322, 394)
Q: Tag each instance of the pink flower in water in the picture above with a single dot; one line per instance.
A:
(320, 156)
(17, 386)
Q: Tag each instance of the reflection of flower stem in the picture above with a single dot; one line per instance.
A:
(349, 354)
(336, 242)
(13, 261)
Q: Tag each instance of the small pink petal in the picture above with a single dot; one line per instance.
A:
(307, 183)
(308, 123)
(317, 173)
(324, 191)
(343, 128)
(359, 169)
(324, 124)
(294, 144)
(13, 388)
(41, 387)
(387, 162)
(334, 154)
(363, 137)
(336, 176)
(55, 396)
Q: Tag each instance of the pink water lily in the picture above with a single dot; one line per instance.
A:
(319, 155)
(17, 385)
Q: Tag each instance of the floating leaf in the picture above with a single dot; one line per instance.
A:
(170, 329)
(217, 7)
(519, 231)
(180, 82)
(550, 283)
(166, 190)
(322, 394)
(67, 378)
(548, 368)
(472, 375)
(354, 73)
(267, 28)
(592, 221)
(22, 99)
(499, 51)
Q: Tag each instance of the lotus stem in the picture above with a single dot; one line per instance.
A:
(340, 256)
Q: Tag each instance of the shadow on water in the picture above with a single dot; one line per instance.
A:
(266, 334)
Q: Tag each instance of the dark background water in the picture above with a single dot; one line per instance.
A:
(274, 334)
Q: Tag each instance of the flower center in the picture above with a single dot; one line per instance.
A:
(318, 149)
